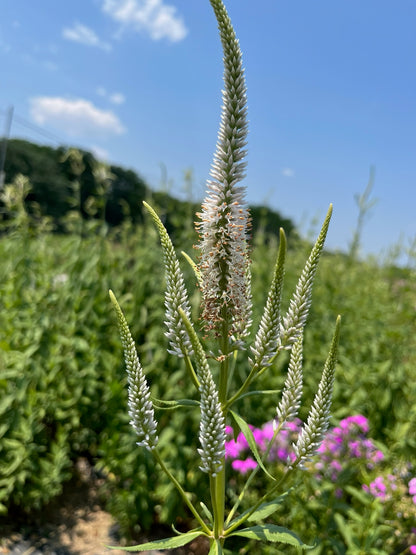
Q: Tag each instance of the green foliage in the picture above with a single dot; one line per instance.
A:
(64, 180)
(378, 352)
(62, 380)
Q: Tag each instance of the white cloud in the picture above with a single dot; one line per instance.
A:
(84, 35)
(76, 117)
(288, 172)
(117, 98)
(114, 98)
(152, 16)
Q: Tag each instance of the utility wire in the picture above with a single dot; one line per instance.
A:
(3, 149)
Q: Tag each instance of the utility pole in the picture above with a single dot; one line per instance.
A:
(3, 147)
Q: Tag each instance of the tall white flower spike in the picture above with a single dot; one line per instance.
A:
(225, 222)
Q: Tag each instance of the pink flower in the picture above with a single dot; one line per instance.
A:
(377, 489)
(232, 449)
(413, 549)
(354, 447)
(268, 431)
(244, 466)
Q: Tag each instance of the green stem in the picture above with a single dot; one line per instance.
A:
(182, 492)
(218, 481)
(232, 368)
(224, 367)
(253, 374)
(191, 372)
(217, 484)
(266, 496)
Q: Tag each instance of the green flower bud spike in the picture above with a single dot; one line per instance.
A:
(295, 318)
(292, 392)
(176, 295)
(140, 406)
(316, 426)
(212, 424)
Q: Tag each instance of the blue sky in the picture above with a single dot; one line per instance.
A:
(331, 92)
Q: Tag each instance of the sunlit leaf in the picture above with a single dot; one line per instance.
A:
(168, 543)
(272, 533)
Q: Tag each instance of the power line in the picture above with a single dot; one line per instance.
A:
(39, 130)
(36, 128)
(3, 150)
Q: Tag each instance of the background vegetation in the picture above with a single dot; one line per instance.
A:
(62, 381)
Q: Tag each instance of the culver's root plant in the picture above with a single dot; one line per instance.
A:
(223, 275)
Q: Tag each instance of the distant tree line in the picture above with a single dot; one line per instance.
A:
(67, 179)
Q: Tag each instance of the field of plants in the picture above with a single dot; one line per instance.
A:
(64, 395)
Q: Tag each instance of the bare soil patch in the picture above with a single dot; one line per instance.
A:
(76, 523)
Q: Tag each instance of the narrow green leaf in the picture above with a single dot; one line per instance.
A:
(170, 405)
(207, 512)
(272, 533)
(248, 434)
(194, 267)
(345, 531)
(261, 392)
(267, 509)
(168, 543)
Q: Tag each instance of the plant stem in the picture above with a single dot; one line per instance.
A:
(181, 491)
(243, 388)
(217, 484)
(218, 481)
(271, 492)
(191, 371)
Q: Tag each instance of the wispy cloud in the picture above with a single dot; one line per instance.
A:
(84, 35)
(50, 66)
(114, 98)
(117, 98)
(288, 172)
(76, 117)
(154, 17)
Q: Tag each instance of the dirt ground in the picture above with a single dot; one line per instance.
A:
(74, 524)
